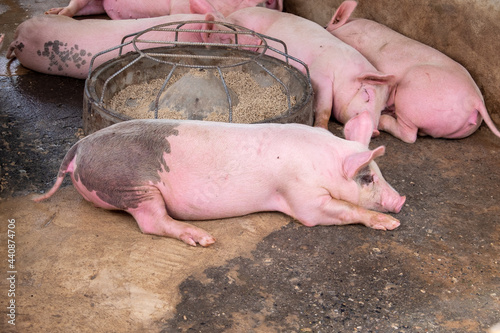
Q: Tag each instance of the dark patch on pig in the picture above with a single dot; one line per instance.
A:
(61, 56)
(364, 176)
(120, 161)
(20, 47)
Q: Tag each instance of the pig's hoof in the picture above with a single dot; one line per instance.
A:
(54, 11)
(383, 222)
(204, 239)
(321, 124)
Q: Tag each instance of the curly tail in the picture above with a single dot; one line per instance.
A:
(10, 52)
(53, 190)
(67, 165)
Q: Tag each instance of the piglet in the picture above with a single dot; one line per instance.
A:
(130, 9)
(434, 94)
(59, 45)
(165, 171)
(342, 78)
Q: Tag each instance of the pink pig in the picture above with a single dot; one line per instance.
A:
(163, 171)
(434, 95)
(342, 78)
(128, 9)
(59, 45)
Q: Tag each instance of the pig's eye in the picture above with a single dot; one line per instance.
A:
(366, 180)
(364, 176)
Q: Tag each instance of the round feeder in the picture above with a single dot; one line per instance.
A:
(172, 79)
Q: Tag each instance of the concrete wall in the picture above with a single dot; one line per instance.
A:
(466, 31)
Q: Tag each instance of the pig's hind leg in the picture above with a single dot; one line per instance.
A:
(338, 212)
(398, 128)
(152, 218)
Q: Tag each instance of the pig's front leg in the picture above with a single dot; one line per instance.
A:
(398, 128)
(152, 218)
(79, 8)
(323, 104)
(332, 211)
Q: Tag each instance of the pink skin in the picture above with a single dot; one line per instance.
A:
(434, 94)
(78, 41)
(130, 9)
(343, 80)
(237, 169)
(360, 127)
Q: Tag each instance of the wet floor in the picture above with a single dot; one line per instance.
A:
(438, 272)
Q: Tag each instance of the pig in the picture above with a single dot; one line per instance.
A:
(342, 79)
(433, 95)
(164, 172)
(130, 9)
(60, 45)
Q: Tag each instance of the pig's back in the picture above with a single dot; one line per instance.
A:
(305, 39)
(388, 50)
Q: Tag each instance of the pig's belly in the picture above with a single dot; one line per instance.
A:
(124, 197)
(218, 200)
(91, 196)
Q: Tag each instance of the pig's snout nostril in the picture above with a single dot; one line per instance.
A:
(399, 206)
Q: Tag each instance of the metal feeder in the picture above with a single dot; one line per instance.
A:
(162, 59)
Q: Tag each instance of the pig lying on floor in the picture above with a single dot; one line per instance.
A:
(434, 95)
(162, 171)
(59, 45)
(131, 9)
(343, 80)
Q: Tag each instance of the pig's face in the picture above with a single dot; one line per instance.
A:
(227, 7)
(368, 187)
(375, 193)
(225, 35)
(369, 93)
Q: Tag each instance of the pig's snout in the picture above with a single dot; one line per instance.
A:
(394, 204)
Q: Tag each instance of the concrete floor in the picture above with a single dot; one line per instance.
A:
(83, 269)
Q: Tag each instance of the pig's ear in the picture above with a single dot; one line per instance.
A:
(354, 163)
(341, 15)
(201, 7)
(215, 37)
(209, 17)
(206, 36)
(377, 78)
(360, 128)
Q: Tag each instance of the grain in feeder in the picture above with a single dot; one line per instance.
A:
(203, 81)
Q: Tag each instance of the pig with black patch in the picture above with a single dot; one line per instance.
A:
(166, 172)
(132, 9)
(60, 45)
